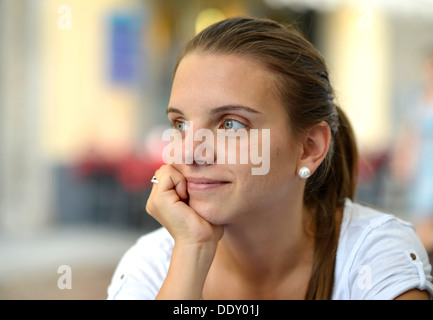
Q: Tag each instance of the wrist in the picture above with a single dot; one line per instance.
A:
(189, 266)
(201, 252)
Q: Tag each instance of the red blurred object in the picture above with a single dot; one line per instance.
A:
(92, 163)
(132, 171)
(135, 173)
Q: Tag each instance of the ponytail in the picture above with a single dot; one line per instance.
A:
(345, 158)
(340, 171)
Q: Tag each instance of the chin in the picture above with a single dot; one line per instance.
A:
(209, 211)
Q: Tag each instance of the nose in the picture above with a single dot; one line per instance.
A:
(198, 146)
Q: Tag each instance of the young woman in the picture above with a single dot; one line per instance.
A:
(290, 233)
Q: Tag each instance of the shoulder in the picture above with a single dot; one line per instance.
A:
(379, 256)
(143, 268)
(361, 223)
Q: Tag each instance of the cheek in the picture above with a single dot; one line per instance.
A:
(281, 179)
(232, 147)
(275, 187)
(281, 161)
(283, 155)
(271, 162)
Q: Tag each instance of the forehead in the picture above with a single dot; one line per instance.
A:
(211, 80)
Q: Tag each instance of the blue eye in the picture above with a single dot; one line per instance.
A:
(233, 124)
(180, 125)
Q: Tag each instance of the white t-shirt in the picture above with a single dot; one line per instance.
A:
(379, 257)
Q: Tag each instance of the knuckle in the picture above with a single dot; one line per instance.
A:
(166, 169)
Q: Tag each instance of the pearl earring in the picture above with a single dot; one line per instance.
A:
(304, 172)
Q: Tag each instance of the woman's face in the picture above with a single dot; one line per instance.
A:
(215, 92)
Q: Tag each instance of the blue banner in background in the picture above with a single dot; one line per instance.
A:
(125, 31)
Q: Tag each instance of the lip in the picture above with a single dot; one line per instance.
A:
(204, 184)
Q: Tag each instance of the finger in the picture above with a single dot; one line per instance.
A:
(170, 178)
(179, 183)
(182, 190)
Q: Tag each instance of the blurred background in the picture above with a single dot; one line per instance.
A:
(83, 91)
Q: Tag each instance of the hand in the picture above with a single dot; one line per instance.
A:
(168, 203)
(195, 239)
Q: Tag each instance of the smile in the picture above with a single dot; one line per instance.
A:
(204, 184)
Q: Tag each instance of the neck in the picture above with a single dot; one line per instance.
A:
(270, 245)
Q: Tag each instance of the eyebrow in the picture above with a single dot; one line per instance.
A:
(217, 110)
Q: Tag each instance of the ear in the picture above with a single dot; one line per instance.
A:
(315, 146)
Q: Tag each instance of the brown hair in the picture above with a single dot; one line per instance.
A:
(303, 86)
